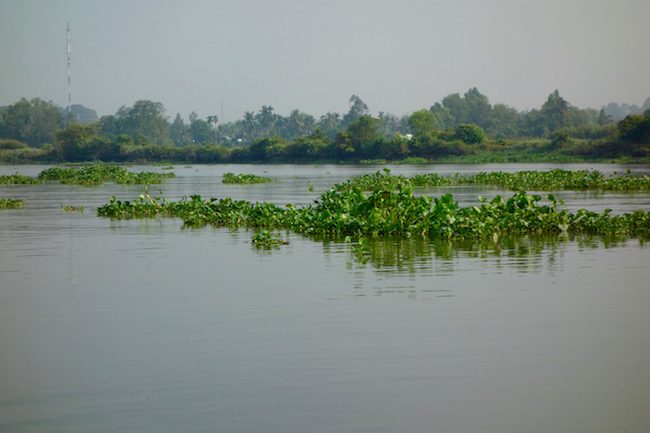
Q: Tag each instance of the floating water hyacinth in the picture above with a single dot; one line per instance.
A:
(11, 203)
(18, 179)
(97, 174)
(390, 210)
(244, 178)
(532, 180)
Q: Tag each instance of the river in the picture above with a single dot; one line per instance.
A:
(144, 326)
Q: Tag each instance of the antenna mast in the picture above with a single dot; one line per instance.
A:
(69, 51)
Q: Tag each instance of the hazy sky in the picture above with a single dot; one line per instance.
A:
(398, 56)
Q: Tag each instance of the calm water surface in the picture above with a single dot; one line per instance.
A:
(142, 326)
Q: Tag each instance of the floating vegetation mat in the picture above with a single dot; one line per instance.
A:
(390, 209)
(532, 180)
(244, 178)
(11, 203)
(18, 179)
(97, 174)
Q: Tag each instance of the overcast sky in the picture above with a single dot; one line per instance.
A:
(398, 56)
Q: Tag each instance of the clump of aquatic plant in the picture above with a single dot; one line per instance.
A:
(378, 180)
(557, 180)
(18, 179)
(390, 210)
(97, 174)
(531, 180)
(243, 178)
(144, 206)
(11, 203)
(267, 239)
(71, 208)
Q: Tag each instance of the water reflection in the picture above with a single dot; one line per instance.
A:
(523, 254)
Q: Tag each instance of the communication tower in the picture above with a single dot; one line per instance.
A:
(69, 52)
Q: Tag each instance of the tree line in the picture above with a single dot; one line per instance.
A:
(457, 125)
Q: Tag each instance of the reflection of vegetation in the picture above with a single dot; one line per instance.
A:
(414, 255)
(97, 174)
(11, 203)
(244, 178)
(531, 180)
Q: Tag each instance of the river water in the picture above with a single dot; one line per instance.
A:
(143, 326)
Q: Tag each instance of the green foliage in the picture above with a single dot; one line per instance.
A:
(470, 134)
(11, 203)
(267, 239)
(448, 130)
(635, 129)
(423, 122)
(33, 122)
(97, 174)
(358, 108)
(70, 208)
(390, 209)
(266, 149)
(144, 122)
(80, 143)
(11, 144)
(18, 179)
(553, 180)
(244, 178)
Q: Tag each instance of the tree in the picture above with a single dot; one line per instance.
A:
(390, 124)
(504, 121)
(146, 119)
(456, 108)
(363, 133)
(477, 108)
(554, 114)
(81, 114)
(358, 108)
(266, 148)
(308, 147)
(329, 124)
(34, 122)
(79, 142)
(267, 121)
(200, 131)
(443, 117)
(179, 132)
(298, 124)
(422, 122)
(74, 142)
(634, 129)
(470, 134)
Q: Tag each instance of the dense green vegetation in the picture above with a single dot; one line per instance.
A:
(18, 179)
(528, 180)
(11, 203)
(98, 173)
(391, 209)
(245, 178)
(466, 127)
(71, 208)
(267, 239)
(89, 175)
